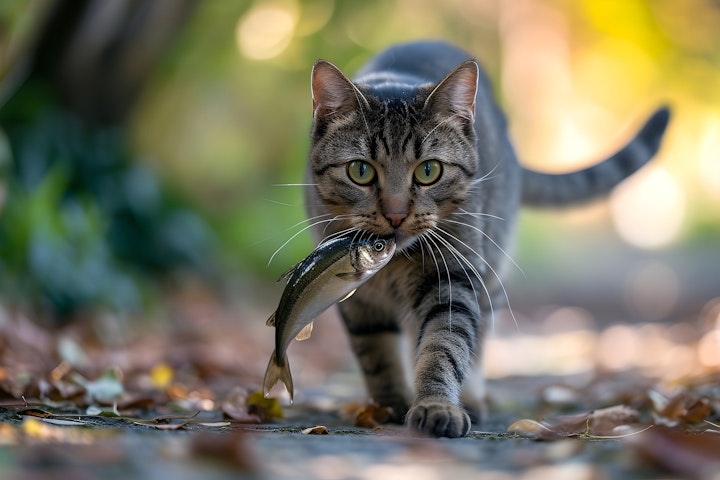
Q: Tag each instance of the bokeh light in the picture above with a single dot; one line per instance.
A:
(648, 210)
(266, 30)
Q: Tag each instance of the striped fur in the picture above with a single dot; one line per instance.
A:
(413, 103)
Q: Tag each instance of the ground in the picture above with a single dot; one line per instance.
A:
(179, 398)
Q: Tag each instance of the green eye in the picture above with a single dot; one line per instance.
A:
(428, 172)
(361, 172)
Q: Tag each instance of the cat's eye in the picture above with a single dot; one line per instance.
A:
(428, 172)
(361, 172)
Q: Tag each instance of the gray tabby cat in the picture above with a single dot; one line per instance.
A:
(417, 147)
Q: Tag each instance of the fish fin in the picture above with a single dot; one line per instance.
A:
(288, 273)
(305, 332)
(271, 321)
(278, 373)
(350, 294)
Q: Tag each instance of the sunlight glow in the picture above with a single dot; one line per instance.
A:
(709, 168)
(266, 30)
(648, 210)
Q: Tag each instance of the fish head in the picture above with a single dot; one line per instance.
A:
(371, 254)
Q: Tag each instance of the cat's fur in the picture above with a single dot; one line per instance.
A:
(412, 103)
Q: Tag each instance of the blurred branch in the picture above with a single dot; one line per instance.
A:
(96, 54)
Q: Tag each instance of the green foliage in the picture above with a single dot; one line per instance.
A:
(83, 224)
(54, 251)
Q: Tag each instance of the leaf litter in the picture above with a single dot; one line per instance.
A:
(197, 377)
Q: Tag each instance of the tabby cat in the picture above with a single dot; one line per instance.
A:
(416, 147)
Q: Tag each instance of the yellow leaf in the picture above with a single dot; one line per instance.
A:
(265, 408)
(161, 375)
(33, 427)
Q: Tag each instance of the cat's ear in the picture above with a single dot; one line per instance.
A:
(332, 91)
(455, 94)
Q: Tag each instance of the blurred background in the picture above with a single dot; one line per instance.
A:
(146, 147)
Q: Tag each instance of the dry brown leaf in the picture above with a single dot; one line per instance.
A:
(163, 424)
(372, 416)
(693, 455)
(317, 430)
(603, 422)
(682, 409)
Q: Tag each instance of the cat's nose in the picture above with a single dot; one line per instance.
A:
(396, 219)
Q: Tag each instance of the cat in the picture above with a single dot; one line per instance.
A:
(416, 147)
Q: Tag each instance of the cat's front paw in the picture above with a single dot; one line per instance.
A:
(439, 419)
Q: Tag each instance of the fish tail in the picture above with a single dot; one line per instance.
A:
(278, 373)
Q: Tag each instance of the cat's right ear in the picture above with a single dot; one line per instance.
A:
(332, 92)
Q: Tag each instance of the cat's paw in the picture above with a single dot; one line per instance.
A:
(439, 419)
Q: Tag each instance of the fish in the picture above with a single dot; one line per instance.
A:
(330, 274)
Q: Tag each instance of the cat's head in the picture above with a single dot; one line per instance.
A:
(393, 159)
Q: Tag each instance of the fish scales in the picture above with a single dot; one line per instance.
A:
(328, 275)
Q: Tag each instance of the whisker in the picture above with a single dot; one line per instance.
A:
(336, 217)
(311, 219)
(460, 259)
(447, 271)
(485, 177)
(479, 230)
(307, 227)
(294, 184)
(338, 234)
(478, 214)
(500, 282)
(277, 202)
(424, 239)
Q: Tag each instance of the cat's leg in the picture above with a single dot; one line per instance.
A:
(447, 344)
(474, 393)
(375, 338)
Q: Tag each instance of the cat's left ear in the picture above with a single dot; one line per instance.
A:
(455, 94)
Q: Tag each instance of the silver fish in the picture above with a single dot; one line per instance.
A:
(330, 274)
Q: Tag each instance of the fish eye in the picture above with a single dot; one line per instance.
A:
(379, 246)
(361, 172)
(428, 172)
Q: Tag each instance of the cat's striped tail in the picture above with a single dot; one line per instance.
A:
(546, 190)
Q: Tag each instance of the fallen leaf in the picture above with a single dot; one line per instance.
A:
(72, 353)
(317, 430)
(47, 431)
(64, 422)
(161, 375)
(94, 410)
(34, 412)
(372, 416)
(533, 429)
(214, 424)
(265, 408)
(104, 389)
(682, 409)
(234, 406)
(689, 454)
(163, 423)
(604, 422)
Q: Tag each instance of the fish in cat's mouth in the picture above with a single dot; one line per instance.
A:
(403, 240)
